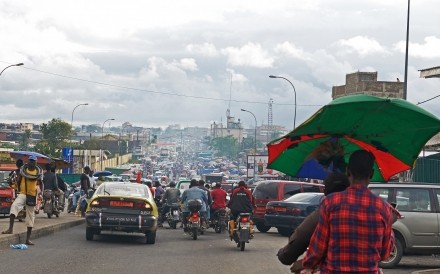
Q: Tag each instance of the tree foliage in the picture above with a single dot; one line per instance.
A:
(225, 146)
(56, 134)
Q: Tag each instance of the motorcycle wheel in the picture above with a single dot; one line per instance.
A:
(174, 225)
(89, 234)
(242, 245)
(49, 215)
(194, 233)
(57, 215)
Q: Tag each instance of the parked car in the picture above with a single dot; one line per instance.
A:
(277, 190)
(122, 206)
(419, 230)
(288, 214)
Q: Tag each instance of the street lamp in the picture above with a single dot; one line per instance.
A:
(102, 139)
(71, 126)
(294, 117)
(14, 65)
(255, 143)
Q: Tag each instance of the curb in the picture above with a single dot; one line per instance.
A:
(38, 232)
(428, 271)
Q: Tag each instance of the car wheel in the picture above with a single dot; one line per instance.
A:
(89, 234)
(283, 231)
(395, 257)
(262, 227)
(151, 237)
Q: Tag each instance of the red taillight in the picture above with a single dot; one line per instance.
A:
(294, 211)
(244, 219)
(195, 215)
(269, 209)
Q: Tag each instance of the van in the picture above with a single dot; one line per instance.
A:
(277, 190)
(419, 230)
(183, 185)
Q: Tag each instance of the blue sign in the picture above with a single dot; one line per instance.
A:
(67, 153)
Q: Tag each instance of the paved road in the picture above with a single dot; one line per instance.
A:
(173, 252)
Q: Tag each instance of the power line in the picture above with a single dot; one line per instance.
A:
(161, 92)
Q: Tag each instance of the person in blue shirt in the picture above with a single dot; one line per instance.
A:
(194, 193)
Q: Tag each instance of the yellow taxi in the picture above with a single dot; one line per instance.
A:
(122, 206)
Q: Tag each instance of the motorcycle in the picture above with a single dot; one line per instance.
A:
(194, 220)
(84, 200)
(173, 215)
(50, 203)
(243, 231)
(219, 220)
(72, 189)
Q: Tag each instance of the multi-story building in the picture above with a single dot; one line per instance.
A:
(366, 83)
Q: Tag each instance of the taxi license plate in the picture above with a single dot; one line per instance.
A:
(5, 204)
(121, 203)
(280, 209)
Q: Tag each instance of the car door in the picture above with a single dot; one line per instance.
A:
(420, 224)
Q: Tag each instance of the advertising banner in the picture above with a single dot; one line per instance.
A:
(258, 164)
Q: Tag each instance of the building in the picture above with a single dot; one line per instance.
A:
(430, 72)
(366, 83)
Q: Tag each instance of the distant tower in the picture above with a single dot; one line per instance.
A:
(269, 120)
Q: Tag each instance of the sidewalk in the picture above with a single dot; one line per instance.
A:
(43, 226)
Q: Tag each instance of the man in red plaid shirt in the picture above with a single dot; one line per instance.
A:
(354, 230)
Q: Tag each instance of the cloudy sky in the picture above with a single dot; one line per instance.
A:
(155, 63)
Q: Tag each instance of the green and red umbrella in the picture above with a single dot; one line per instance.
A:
(394, 130)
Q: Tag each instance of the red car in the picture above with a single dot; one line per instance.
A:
(7, 196)
(277, 190)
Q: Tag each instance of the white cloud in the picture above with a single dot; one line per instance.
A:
(429, 49)
(362, 45)
(251, 54)
(290, 50)
(205, 49)
(187, 64)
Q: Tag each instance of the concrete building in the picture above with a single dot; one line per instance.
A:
(366, 83)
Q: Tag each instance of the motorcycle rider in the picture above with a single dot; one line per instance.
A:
(171, 196)
(61, 186)
(218, 198)
(158, 192)
(50, 182)
(85, 185)
(208, 205)
(241, 201)
(194, 193)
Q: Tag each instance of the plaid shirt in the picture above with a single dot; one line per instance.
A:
(353, 234)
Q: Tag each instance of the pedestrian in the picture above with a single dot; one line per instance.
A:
(300, 239)
(354, 230)
(28, 178)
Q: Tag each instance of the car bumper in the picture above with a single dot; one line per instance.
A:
(283, 221)
(121, 222)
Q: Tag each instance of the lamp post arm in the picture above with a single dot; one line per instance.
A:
(14, 65)
(294, 91)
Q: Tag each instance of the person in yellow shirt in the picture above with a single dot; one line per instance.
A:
(28, 179)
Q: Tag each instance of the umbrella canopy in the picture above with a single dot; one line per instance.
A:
(102, 173)
(394, 130)
(60, 163)
(24, 155)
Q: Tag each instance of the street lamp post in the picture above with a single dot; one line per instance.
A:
(294, 117)
(102, 140)
(14, 65)
(70, 142)
(255, 143)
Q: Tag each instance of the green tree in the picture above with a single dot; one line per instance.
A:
(56, 134)
(225, 146)
(24, 140)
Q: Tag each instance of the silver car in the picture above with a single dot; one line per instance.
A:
(419, 230)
